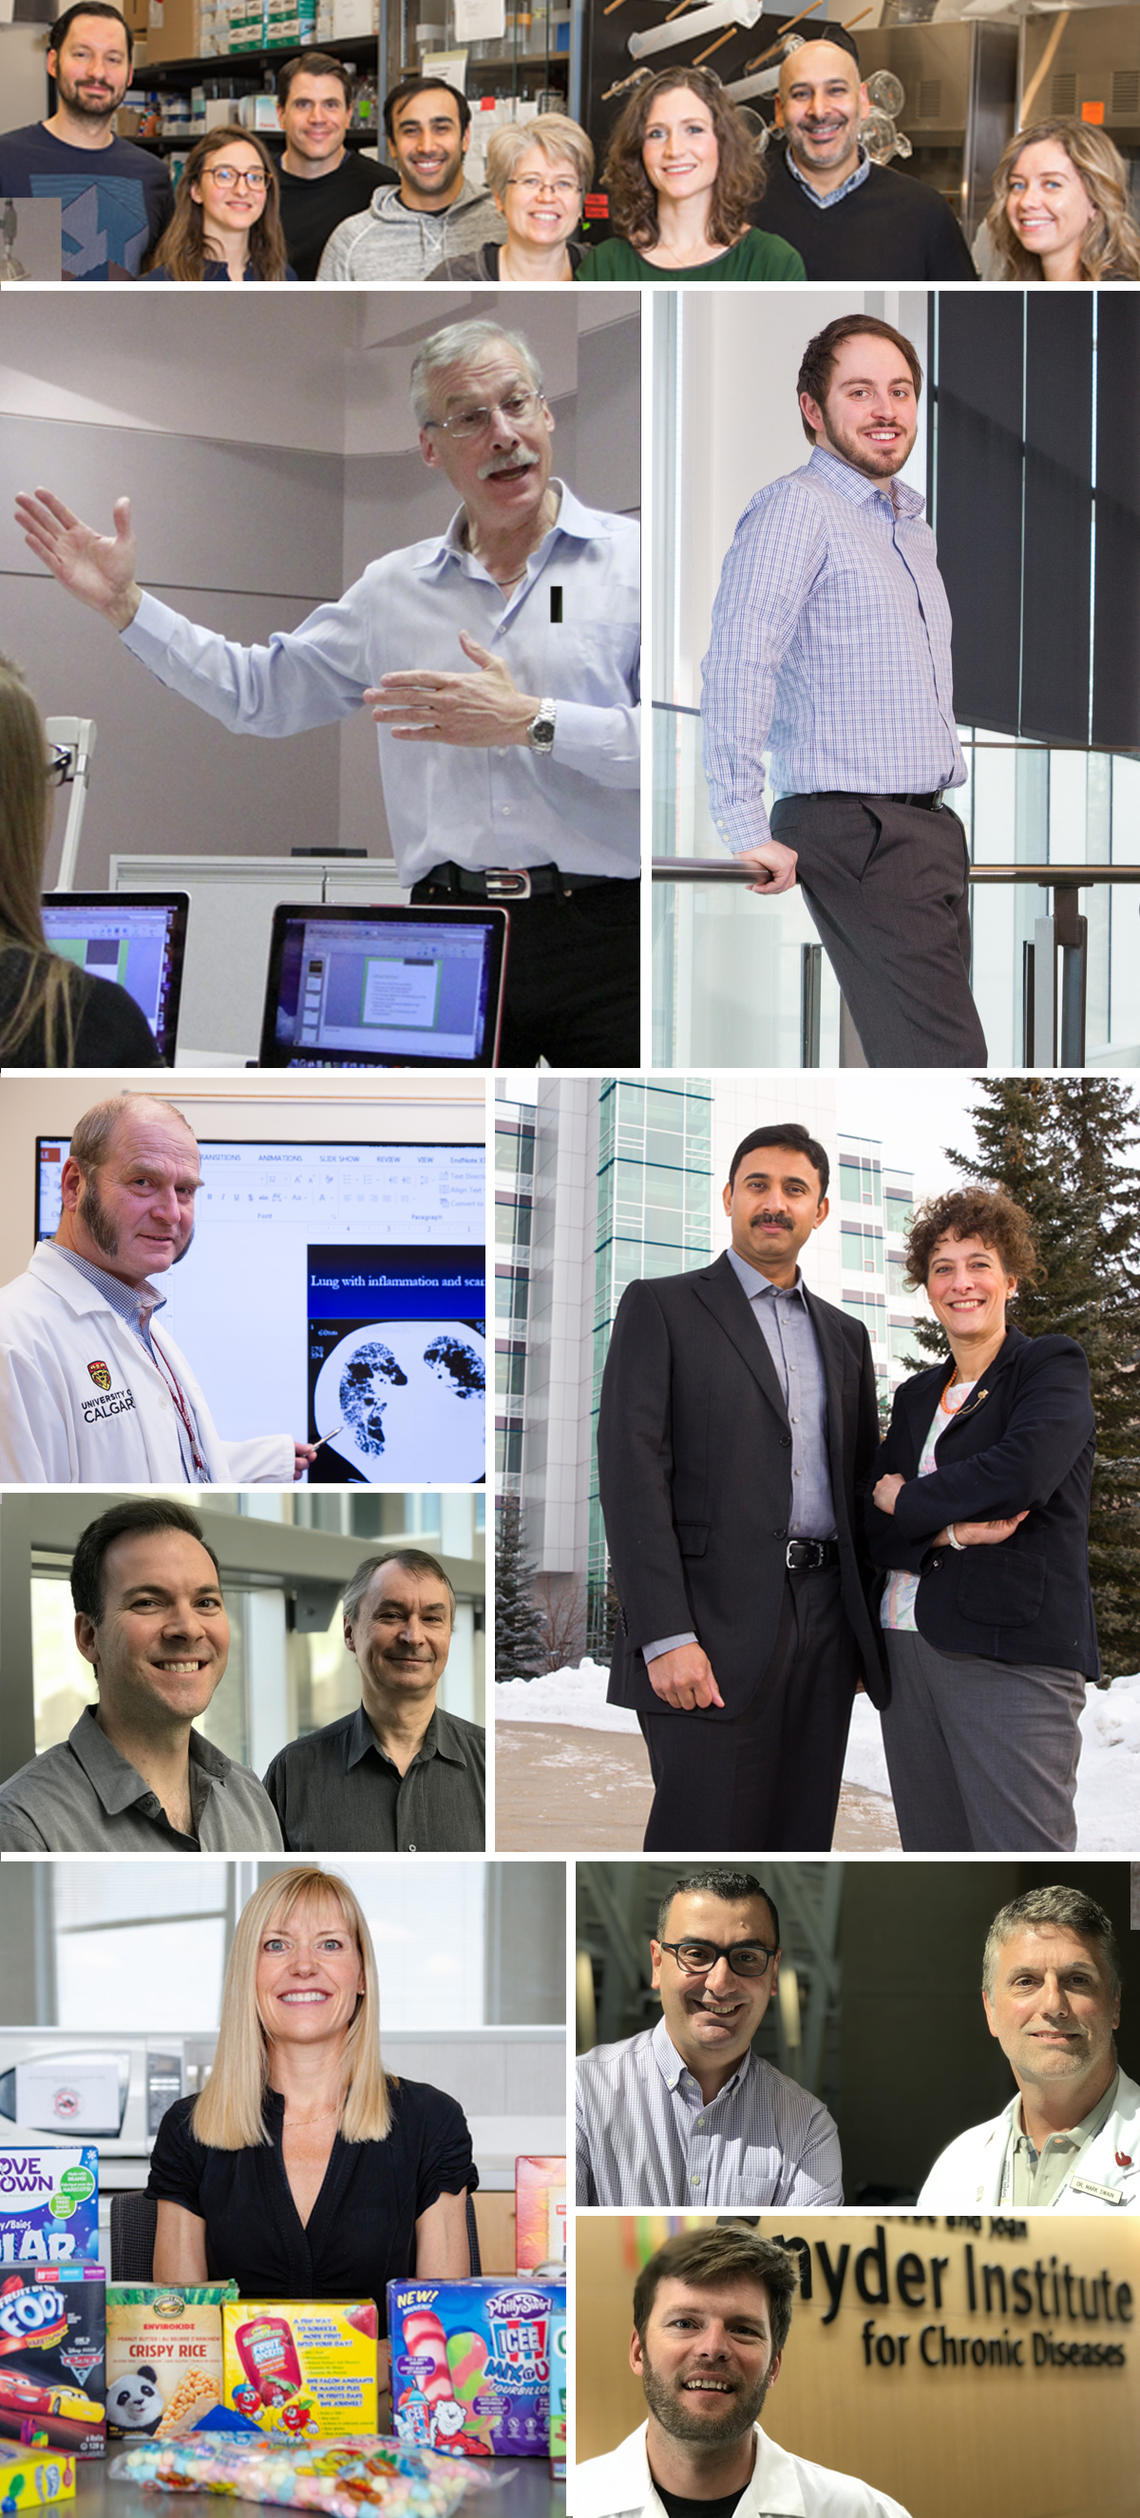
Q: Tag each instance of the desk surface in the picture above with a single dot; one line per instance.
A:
(528, 2491)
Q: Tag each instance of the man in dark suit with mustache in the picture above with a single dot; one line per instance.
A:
(738, 1420)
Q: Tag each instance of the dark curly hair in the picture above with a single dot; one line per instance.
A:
(989, 1214)
(740, 175)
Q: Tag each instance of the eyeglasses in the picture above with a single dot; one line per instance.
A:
(228, 176)
(564, 187)
(57, 767)
(472, 420)
(698, 1958)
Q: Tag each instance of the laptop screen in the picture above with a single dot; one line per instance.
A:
(135, 938)
(383, 987)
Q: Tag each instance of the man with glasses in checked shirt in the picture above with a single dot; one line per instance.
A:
(500, 661)
(685, 2113)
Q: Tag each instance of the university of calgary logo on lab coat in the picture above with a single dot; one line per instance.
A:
(100, 1374)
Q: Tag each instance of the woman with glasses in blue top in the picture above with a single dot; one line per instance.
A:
(226, 224)
(980, 1516)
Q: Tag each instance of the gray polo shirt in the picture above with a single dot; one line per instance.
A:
(338, 1791)
(84, 1798)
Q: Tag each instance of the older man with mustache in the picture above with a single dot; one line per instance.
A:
(512, 780)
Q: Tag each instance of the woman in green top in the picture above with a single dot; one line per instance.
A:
(683, 169)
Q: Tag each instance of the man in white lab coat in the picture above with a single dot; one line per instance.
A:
(89, 1394)
(711, 2315)
(1069, 2141)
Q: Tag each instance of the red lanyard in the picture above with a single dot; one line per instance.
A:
(181, 1403)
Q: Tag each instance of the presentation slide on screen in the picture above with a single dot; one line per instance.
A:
(335, 1290)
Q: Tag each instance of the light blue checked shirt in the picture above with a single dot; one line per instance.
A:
(136, 1305)
(831, 642)
(485, 805)
(782, 1316)
(646, 2138)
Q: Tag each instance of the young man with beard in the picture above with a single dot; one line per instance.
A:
(711, 2312)
(434, 211)
(831, 638)
(115, 199)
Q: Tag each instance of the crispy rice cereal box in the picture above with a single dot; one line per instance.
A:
(164, 2357)
(471, 2364)
(304, 2367)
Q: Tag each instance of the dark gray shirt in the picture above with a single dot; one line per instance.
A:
(82, 1797)
(338, 1791)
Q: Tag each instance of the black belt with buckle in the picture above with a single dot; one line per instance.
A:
(509, 883)
(927, 804)
(809, 1556)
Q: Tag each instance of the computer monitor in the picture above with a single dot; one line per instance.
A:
(384, 987)
(136, 938)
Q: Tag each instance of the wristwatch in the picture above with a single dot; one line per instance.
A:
(540, 732)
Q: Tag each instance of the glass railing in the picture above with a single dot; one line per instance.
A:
(1055, 860)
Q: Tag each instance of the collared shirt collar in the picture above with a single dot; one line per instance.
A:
(855, 486)
(133, 1303)
(581, 524)
(1074, 2135)
(755, 1283)
(439, 1740)
(827, 200)
(115, 1782)
(671, 2065)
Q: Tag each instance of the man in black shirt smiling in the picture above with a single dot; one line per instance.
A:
(399, 1775)
(321, 180)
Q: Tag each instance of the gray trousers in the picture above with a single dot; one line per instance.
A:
(887, 888)
(982, 1755)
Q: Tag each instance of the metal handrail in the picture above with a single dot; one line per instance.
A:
(1053, 1026)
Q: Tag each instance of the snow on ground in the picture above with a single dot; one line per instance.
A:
(1108, 1778)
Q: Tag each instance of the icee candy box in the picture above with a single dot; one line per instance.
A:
(471, 2364)
(49, 2203)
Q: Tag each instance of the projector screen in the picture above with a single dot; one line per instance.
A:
(334, 1291)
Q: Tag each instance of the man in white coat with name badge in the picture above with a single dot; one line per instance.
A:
(711, 2314)
(1069, 2141)
(89, 1394)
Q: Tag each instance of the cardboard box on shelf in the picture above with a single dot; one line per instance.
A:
(174, 30)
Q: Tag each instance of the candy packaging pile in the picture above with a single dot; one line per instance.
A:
(338, 2476)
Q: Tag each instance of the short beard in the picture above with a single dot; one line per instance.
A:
(740, 2412)
(77, 104)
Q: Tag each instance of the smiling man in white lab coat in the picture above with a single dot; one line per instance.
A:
(89, 1394)
(1069, 2140)
(711, 2315)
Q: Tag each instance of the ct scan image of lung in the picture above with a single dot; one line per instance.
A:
(409, 1397)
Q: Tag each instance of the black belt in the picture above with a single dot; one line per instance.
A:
(928, 804)
(849, 795)
(809, 1556)
(510, 883)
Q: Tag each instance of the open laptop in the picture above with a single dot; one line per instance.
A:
(384, 987)
(136, 938)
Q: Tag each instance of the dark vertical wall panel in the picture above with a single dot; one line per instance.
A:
(1058, 515)
(978, 497)
(1116, 615)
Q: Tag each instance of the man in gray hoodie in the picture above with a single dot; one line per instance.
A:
(433, 212)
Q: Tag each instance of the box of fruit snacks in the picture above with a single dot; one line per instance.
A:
(471, 2364)
(164, 2357)
(303, 2367)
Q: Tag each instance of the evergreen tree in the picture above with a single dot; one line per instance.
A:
(520, 1627)
(1059, 1145)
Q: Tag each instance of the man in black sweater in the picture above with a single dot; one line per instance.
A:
(850, 219)
(322, 182)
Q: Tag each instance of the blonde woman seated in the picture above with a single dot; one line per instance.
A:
(538, 173)
(52, 1014)
(226, 224)
(1060, 208)
(682, 171)
(303, 2170)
